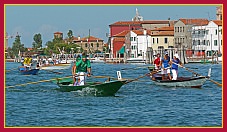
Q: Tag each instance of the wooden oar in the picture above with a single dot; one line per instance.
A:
(11, 69)
(217, 83)
(36, 82)
(53, 71)
(137, 78)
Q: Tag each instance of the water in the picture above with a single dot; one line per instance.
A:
(136, 104)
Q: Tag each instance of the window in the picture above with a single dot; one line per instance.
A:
(153, 41)
(177, 29)
(157, 40)
(198, 42)
(165, 40)
(97, 44)
(85, 44)
(193, 42)
(204, 42)
(180, 29)
(215, 43)
(134, 38)
(91, 44)
(131, 38)
(216, 32)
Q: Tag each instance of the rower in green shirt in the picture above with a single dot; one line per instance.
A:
(80, 70)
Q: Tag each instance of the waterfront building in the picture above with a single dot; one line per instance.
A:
(182, 32)
(89, 44)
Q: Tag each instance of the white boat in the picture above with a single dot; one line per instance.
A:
(136, 60)
(97, 60)
(56, 66)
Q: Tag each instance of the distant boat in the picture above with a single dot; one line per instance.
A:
(56, 66)
(26, 71)
(136, 60)
(97, 60)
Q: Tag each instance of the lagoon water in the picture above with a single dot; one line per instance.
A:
(137, 104)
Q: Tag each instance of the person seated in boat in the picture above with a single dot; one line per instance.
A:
(25, 61)
(175, 62)
(82, 68)
(78, 58)
(157, 62)
(165, 66)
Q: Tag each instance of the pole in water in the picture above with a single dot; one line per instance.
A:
(119, 75)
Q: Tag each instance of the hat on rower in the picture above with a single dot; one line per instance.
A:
(166, 53)
(176, 55)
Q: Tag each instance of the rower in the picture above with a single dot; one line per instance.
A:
(83, 67)
(166, 68)
(175, 62)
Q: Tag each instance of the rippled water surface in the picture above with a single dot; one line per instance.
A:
(139, 103)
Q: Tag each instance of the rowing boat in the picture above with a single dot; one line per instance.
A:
(26, 71)
(193, 82)
(107, 88)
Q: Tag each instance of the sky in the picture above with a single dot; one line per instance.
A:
(33, 19)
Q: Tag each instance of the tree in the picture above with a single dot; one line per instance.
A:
(37, 41)
(70, 36)
(17, 46)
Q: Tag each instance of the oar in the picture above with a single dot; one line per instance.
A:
(11, 69)
(137, 78)
(36, 82)
(217, 83)
(53, 71)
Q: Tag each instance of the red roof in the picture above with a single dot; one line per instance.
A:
(91, 38)
(218, 22)
(163, 33)
(126, 23)
(195, 22)
(171, 28)
(122, 34)
(58, 33)
(119, 39)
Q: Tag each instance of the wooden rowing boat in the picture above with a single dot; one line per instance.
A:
(26, 71)
(108, 88)
(193, 82)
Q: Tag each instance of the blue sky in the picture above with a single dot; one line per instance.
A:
(33, 19)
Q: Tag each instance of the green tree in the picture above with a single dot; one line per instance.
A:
(37, 41)
(70, 36)
(17, 46)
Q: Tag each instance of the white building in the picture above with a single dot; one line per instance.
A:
(207, 38)
(214, 37)
(140, 41)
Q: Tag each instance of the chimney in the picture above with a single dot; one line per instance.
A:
(78, 37)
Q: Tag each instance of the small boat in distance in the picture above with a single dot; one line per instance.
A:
(27, 71)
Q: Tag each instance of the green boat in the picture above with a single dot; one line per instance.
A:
(107, 88)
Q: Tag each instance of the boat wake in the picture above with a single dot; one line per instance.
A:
(86, 92)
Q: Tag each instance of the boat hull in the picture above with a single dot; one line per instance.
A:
(194, 82)
(28, 72)
(100, 88)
